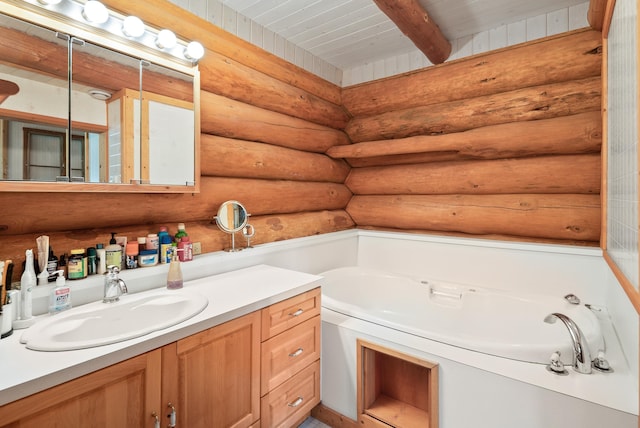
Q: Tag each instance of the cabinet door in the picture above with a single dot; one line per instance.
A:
(125, 394)
(213, 378)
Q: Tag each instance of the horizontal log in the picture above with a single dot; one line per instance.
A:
(580, 133)
(564, 217)
(239, 82)
(262, 197)
(227, 157)
(163, 14)
(540, 102)
(570, 56)
(546, 174)
(229, 118)
(114, 211)
(268, 228)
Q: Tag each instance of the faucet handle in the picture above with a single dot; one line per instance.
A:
(556, 366)
(600, 363)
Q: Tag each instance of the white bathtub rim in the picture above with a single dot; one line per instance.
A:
(617, 390)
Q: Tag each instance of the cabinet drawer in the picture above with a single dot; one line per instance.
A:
(288, 313)
(286, 404)
(285, 354)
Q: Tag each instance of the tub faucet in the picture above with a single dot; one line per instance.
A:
(581, 354)
(114, 287)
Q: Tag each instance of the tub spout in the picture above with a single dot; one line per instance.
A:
(581, 354)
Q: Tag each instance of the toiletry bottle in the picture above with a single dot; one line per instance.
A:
(165, 246)
(181, 233)
(52, 265)
(186, 248)
(76, 264)
(113, 252)
(92, 261)
(60, 299)
(153, 243)
(174, 278)
(131, 255)
(27, 284)
(102, 258)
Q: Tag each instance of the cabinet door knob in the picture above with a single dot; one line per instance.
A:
(296, 403)
(298, 352)
(156, 424)
(171, 416)
(297, 313)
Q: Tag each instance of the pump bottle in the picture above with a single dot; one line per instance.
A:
(113, 252)
(174, 278)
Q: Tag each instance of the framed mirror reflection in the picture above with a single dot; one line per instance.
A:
(73, 111)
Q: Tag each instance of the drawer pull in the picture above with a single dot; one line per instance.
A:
(297, 313)
(296, 403)
(298, 352)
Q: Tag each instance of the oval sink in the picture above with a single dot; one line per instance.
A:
(98, 324)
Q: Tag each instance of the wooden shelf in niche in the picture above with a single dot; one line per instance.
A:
(395, 389)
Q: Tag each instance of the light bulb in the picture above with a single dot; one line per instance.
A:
(95, 12)
(49, 2)
(194, 51)
(132, 26)
(166, 39)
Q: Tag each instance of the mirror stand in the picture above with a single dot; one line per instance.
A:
(232, 217)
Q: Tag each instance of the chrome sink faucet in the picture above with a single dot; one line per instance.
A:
(581, 353)
(114, 287)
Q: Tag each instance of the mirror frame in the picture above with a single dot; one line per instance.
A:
(94, 35)
(225, 227)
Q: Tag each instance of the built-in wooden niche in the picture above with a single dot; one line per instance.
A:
(395, 389)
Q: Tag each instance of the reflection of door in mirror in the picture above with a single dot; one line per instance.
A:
(45, 154)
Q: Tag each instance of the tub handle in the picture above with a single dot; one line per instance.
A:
(442, 293)
(297, 313)
(296, 403)
(298, 352)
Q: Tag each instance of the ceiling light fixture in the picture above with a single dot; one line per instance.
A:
(132, 26)
(49, 2)
(99, 94)
(95, 12)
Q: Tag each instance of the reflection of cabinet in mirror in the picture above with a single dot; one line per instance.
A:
(110, 143)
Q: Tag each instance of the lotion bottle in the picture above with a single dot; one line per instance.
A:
(113, 252)
(60, 299)
(174, 278)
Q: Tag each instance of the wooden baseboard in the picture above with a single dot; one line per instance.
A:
(332, 418)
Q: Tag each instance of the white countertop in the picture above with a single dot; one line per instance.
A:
(231, 295)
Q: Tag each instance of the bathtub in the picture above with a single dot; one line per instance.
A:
(491, 347)
(489, 321)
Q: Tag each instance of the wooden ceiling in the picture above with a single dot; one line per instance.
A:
(346, 33)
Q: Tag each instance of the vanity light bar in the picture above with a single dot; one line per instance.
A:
(95, 15)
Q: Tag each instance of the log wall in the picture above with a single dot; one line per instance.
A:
(505, 144)
(265, 127)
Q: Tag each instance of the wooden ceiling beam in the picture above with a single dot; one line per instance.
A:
(417, 25)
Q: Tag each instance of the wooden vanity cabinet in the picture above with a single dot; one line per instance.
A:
(213, 377)
(121, 395)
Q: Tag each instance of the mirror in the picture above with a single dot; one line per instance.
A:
(232, 217)
(132, 121)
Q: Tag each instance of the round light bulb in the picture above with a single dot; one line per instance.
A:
(194, 51)
(49, 2)
(132, 26)
(166, 39)
(95, 12)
